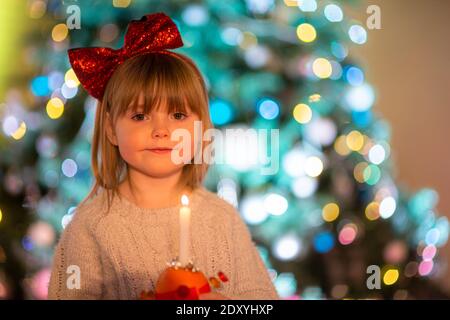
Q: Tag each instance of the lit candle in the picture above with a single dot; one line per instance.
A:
(185, 220)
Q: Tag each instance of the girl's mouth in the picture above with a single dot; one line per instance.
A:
(160, 151)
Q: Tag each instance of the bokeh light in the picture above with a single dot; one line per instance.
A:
(71, 79)
(287, 247)
(304, 187)
(390, 277)
(313, 166)
(60, 32)
(268, 109)
(253, 210)
(377, 154)
(348, 234)
(333, 13)
(387, 207)
(195, 15)
(275, 204)
(307, 5)
(357, 34)
(221, 112)
(306, 32)
(302, 113)
(20, 132)
(330, 212)
(355, 140)
(323, 242)
(354, 76)
(69, 168)
(55, 108)
(322, 68)
(372, 211)
(425, 267)
(360, 98)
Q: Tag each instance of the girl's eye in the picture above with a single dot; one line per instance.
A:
(138, 117)
(179, 116)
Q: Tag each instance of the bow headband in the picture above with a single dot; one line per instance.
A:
(95, 66)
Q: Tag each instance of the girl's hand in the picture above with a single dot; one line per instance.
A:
(212, 296)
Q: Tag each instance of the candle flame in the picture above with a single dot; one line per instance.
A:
(184, 200)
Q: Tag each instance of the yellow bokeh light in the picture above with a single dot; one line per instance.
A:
(368, 143)
(37, 9)
(306, 32)
(340, 145)
(249, 40)
(302, 113)
(59, 32)
(322, 68)
(372, 211)
(390, 277)
(121, 3)
(71, 79)
(355, 140)
(20, 132)
(292, 3)
(358, 171)
(313, 166)
(55, 108)
(314, 97)
(1, 215)
(330, 212)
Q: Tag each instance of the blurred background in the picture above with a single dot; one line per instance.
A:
(361, 114)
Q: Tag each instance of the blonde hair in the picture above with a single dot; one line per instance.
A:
(164, 78)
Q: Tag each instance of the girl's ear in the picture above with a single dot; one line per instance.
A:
(110, 131)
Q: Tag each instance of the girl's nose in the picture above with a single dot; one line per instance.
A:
(159, 128)
(160, 133)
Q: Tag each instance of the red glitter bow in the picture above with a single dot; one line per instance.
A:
(95, 66)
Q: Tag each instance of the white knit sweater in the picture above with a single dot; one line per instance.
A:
(122, 252)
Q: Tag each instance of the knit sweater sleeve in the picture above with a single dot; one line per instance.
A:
(251, 280)
(76, 269)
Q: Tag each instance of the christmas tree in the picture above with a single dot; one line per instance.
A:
(324, 220)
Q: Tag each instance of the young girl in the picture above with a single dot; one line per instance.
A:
(127, 229)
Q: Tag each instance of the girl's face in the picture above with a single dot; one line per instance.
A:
(137, 133)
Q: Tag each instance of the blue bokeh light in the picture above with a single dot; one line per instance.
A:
(323, 242)
(221, 112)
